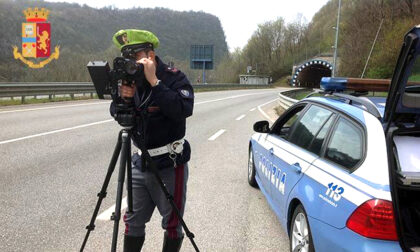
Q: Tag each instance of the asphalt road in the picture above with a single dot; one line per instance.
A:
(54, 158)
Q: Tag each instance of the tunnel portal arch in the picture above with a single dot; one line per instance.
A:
(309, 73)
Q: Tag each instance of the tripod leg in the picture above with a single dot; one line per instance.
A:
(129, 180)
(170, 199)
(121, 176)
(102, 193)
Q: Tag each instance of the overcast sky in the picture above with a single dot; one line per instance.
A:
(239, 18)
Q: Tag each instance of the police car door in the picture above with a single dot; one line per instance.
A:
(272, 172)
(292, 155)
(402, 130)
(262, 160)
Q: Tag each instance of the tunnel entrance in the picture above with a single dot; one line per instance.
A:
(309, 74)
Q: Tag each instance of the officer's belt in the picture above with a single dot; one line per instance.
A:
(173, 148)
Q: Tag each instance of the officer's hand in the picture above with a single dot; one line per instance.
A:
(127, 91)
(149, 70)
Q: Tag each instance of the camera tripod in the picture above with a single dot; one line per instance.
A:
(123, 147)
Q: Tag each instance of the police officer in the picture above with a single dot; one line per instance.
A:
(168, 99)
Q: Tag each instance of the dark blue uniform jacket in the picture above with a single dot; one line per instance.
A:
(171, 102)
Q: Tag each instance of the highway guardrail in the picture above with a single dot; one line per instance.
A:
(22, 89)
(285, 100)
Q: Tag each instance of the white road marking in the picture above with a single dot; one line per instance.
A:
(252, 109)
(262, 112)
(52, 107)
(240, 117)
(227, 98)
(54, 131)
(105, 216)
(218, 133)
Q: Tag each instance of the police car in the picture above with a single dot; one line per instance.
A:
(342, 171)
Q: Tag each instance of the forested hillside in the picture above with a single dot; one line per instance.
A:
(85, 33)
(276, 45)
(361, 20)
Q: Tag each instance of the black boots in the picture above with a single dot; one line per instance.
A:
(171, 245)
(132, 243)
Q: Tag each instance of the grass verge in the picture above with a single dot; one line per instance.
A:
(43, 100)
(283, 82)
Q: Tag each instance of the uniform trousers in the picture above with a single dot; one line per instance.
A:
(147, 195)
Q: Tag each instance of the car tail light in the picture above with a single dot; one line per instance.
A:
(374, 219)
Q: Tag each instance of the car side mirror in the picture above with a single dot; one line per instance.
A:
(261, 127)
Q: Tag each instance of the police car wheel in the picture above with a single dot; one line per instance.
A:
(251, 170)
(300, 237)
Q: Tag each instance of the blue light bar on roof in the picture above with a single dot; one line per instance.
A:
(339, 84)
(333, 84)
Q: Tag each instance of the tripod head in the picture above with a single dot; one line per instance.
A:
(125, 114)
(126, 109)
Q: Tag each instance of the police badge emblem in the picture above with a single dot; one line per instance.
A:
(185, 93)
(36, 39)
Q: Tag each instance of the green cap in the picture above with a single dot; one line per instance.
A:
(134, 37)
